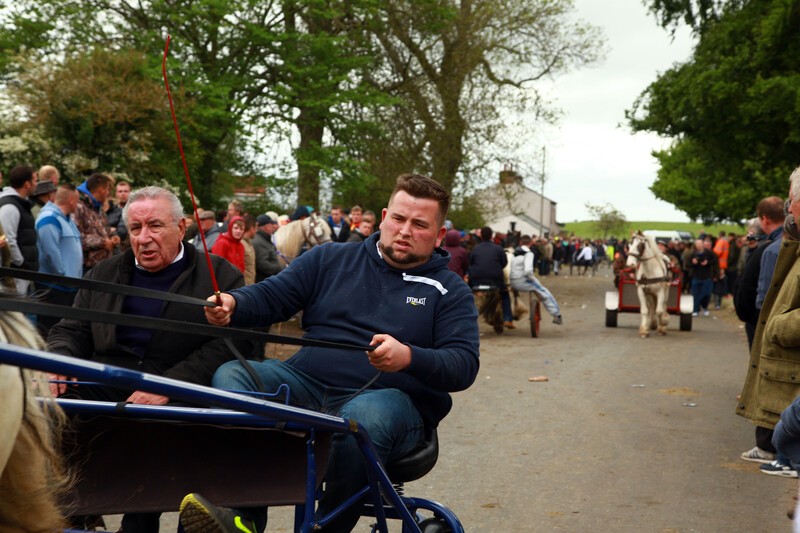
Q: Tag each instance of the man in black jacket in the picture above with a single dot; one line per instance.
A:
(18, 222)
(157, 260)
(486, 263)
(267, 260)
(770, 214)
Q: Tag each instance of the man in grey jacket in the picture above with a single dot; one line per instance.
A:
(268, 262)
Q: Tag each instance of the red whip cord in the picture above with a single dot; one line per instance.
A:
(186, 172)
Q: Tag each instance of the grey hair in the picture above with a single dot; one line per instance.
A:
(152, 193)
(794, 184)
(754, 225)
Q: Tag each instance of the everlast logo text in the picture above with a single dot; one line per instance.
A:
(415, 301)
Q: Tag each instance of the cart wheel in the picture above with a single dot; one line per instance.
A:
(611, 318)
(536, 315)
(434, 525)
(686, 322)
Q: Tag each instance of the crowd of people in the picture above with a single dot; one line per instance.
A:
(107, 231)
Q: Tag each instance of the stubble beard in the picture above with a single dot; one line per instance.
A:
(401, 259)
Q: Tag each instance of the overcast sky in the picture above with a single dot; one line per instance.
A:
(592, 156)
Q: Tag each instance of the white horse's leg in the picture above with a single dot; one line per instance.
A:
(652, 315)
(644, 328)
(663, 315)
(11, 395)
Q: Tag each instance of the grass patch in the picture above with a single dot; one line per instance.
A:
(587, 228)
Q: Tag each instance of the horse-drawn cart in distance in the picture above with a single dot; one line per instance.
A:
(626, 300)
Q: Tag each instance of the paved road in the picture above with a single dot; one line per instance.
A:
(608, 443)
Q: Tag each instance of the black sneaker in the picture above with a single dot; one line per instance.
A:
(778, 469)
(198, 515)
(558, 320)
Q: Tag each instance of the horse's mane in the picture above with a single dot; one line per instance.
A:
(651, 241)
(35, 477)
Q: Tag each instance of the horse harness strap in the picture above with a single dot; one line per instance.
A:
(650, 281)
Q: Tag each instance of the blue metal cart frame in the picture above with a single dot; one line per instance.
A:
(237, 410)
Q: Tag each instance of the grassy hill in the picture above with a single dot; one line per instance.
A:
(587, 228)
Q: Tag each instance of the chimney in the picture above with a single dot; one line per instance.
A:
(508, 176)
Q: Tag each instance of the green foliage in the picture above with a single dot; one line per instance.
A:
(608, 219)
(697, 14)
(215, 48)
(732, 111)
(589, 229)
(454, 66)
(467, 214)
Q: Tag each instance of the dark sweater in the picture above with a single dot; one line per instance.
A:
(429, 308)
(137, 339)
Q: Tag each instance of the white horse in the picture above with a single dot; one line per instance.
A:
(652, 283)
(33, 477)
(291, 238)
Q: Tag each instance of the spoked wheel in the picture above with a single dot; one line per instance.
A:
(536, 315)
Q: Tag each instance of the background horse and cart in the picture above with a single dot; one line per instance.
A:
(647, 268)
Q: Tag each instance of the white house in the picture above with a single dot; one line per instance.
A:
(510, 200)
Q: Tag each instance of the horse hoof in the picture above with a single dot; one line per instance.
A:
(662, 333)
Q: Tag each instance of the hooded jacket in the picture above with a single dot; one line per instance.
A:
(459, 257)
(229, 248)
(429, 308)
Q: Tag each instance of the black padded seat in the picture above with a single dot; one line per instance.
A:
(416, 464)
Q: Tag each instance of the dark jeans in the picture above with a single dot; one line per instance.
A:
(388, 415)
(701, 291)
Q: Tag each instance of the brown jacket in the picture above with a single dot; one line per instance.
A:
(773, 378)
(92, 224)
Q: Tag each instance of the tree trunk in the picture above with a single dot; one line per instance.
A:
(312, 130)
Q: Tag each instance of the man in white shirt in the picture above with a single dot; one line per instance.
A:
(523, 279)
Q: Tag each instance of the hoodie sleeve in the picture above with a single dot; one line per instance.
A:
(452, 363)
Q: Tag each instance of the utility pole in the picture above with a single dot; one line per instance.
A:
(541, 200)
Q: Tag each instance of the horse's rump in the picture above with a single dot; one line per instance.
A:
(34, 477)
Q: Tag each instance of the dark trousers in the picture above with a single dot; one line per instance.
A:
(750, 329)
(764, 439)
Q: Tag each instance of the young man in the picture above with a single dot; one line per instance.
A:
(18, 222)
(425, 332)
(523, 279)
(340, 229)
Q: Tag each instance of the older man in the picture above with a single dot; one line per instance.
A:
(425, 325)
(210, 229)
(156, 260)
(268, 262)
(770, 385)
(49, 173)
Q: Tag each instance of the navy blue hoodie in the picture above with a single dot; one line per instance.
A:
(348, 293)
